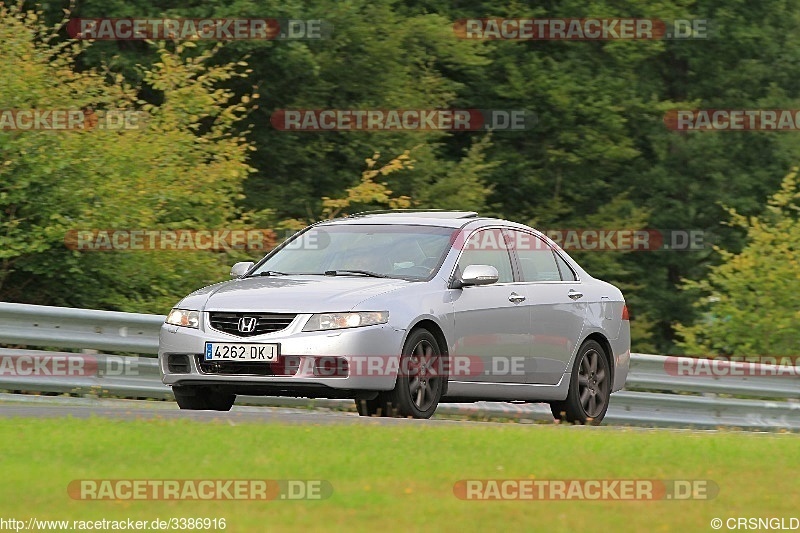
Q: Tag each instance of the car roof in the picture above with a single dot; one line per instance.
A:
(452, 219)
(441, 218)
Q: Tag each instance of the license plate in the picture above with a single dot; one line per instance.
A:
(242, 352)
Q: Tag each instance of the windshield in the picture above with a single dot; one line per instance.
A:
(392, 251)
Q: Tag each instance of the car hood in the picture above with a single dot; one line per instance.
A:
(290, 294)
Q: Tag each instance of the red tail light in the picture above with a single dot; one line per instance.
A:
(625, 312)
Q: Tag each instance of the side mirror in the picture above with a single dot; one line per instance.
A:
(479, 275)
(239, 269)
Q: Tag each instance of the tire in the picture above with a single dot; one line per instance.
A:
(589, 388)
(420, 380)
(203, 399)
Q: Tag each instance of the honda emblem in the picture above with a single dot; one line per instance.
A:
(247, 324)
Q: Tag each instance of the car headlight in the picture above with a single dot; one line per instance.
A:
(182, 317)
(323, 321)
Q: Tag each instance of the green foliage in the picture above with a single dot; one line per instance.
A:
(460, 185)
(182, 169)
(367, 194)
(747, 302)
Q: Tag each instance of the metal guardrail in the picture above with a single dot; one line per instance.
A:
(655, 395)
(65, 327)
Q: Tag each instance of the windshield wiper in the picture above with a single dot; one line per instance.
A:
(271, 273)
(362, 272)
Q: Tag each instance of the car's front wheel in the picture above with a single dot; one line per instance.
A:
(589, 388)
(420, 381)
(203, 398)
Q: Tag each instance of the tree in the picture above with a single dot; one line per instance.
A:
(183, 168)
(747, 304)
(369, 193)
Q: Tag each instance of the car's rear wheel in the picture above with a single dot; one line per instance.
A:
(420, 381)
(589, 388)
(203, 398)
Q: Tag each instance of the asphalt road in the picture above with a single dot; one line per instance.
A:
(12, 406)
(17, 406)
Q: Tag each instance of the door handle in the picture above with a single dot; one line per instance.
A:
(516, 298)
(574, 294)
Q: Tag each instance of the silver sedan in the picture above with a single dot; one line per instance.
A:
(402, 311)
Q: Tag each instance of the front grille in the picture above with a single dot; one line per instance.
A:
(265, 322)
(284, 366)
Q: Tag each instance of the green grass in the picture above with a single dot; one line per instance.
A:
(389, 478)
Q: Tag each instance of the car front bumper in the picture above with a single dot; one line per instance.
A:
(300, 356)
